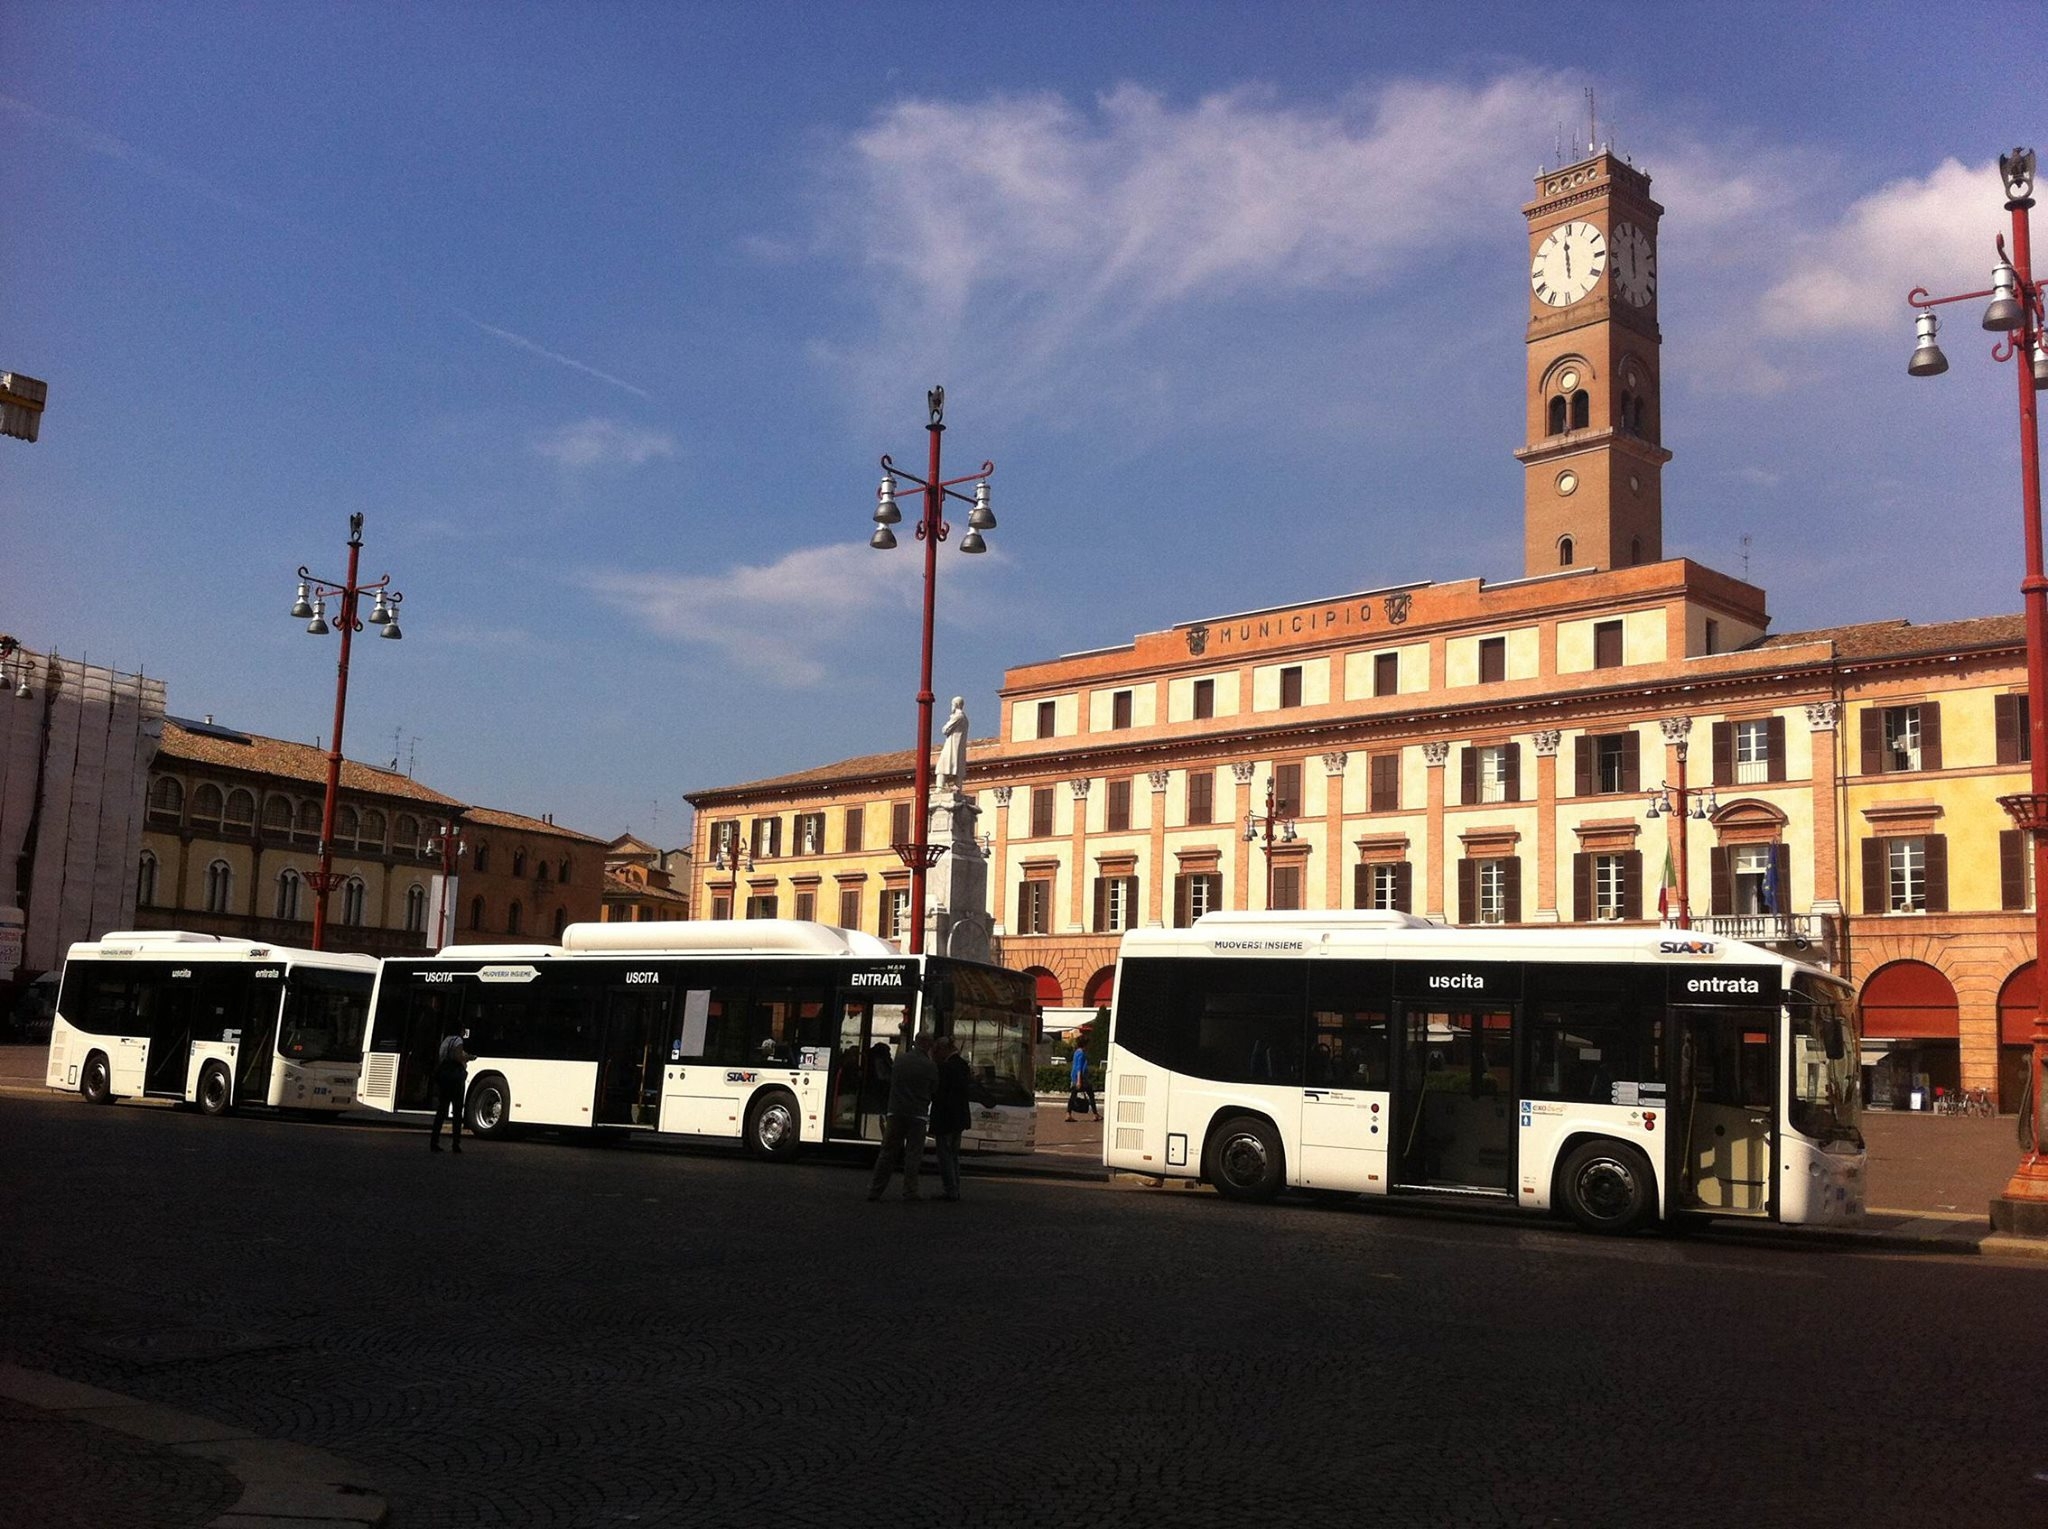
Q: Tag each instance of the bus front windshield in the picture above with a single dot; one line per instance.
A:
(1826, 1089)
(324, 1016)
(992, 1019)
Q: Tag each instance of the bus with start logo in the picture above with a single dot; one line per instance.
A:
(210, 1021)
(775, 1033)
(1620, 1077)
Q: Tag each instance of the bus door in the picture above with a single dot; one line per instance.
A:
(1723, 1098)
(256, 1045)
(639, 1036)
(1344, 1118)
(165, 1016)
(1454, 1098)
(862, 1059)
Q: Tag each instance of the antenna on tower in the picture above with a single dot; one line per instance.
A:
(1745, 557)
(1561, 160)
(1592, 124)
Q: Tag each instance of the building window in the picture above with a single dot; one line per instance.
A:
(1285, 887)
(1201, 796)
(721, 905)
(1752, 751)
(2015, 870)
(1493, 660)
(145, 881)
(1898, 738)
(1750, 865)
(206, 806)
(849, 908)
(476, 913)
(1287, 790)
(1582, 409)
(287, 894)
(1116, 903)
(514, 916)
(1564, 552)
(483, 857)
(856, 825)
(1194, 894)
(307, 829)
(1607, 763)
(1635, 550)
(415, 909)
(1386, 674)
(353, 895)
(277, 816)
(899, 823)
(1555, 415)
(767, 840)
(1490, 890)
(166, 799)
(1047, 712)
(1610, 879)
(220, 887)
(1041, 812)
(1493, 892)
(369, 833)
(519, 864)
(1290, 686)
(1205, 699)
(1383, 884)
(1386, 782)
(561, 921)
(1902, 738)
(1908, 874)
(1120, 709)
(1034, 907)
(1492, 773)
(1607, 645)
(1117, 807)
(761, 905)
(1749, 752)
(807, 907)
(810, 833)
(896, 913)
(2014, 729)
(1713, 635)
(240, 813)
(540, 873)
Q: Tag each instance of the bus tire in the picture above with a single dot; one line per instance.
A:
(216, 1093)
(489, 1107)
(1244, 1159)
(1605, 1186)
(96, 1080)
(774, 1125)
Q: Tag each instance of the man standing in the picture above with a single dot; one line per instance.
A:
(451, 1079)
(911, 1085)
(951, 1114)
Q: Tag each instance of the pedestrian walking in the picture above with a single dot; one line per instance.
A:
(451, 1077)
(951, 1113)
(911, 1084)
(1081, 1092)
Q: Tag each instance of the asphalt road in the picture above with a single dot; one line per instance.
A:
(550, 1332)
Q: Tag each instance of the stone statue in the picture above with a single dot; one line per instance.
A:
(953, 752)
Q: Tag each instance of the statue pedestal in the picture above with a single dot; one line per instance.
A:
(961, 924)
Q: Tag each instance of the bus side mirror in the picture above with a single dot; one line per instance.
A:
(1831, 1038)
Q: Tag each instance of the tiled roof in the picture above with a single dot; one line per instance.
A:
(205, 744)
(1902, 639)
(490, 817)
(862, 765)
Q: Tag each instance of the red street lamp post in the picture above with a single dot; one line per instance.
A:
(2015, 314)
(921, 854)
(448, 845)
(312, 603)
(1683, 803)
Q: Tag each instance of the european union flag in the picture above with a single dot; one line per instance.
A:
(1770, 894)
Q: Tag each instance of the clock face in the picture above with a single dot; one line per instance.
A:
(1568, 264)
(1635, 265)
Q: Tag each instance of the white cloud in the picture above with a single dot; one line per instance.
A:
(603, 442)
(792, 621)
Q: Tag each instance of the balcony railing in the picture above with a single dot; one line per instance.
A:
(1796, 929)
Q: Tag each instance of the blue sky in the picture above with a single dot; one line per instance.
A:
(602, 315)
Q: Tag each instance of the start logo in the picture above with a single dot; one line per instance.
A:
(1687, 947)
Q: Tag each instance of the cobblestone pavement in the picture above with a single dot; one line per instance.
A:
(549, 1332)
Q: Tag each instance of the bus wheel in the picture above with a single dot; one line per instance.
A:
(1244, 1159)
(490, 1106)
(96, 1083)
(215, 1094)
(1605, 1187)
(774, 1126)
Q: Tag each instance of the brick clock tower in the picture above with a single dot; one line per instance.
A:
(1592, 493)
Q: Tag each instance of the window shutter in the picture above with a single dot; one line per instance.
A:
(1937, 873)
(1774, 731)
(1724, 753)
(1875, 889)
(2006, 708)
(1582, 766)
(1873, 746)
(1512, 890)
(1404, 887)
(1631, 760)
(1930, 735)
(1723, 878)
(1632, 884)
(1513, 773)
(1468, 873)
(1582, 888)
(1361, 886)
(1781, 856)
(2012, 866)
(1468, 775)
(1386, 782)
(1101, 903)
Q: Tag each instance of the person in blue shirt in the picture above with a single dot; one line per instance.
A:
(1081, 1093)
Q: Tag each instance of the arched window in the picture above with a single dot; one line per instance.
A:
(562, 876)
(540, 872)
(483, 858)
(1101, 988)
(1636, 424)
(519, 862)
(353, 895)
(561, 921)
(287, 894)
(476, 913)
(415, 909)
(370, 833)
(1627, 412)
(345, 826)
(1582, 410)
(1564, 552)
(1557, 407)
(166, 799)
(220, 886)
(406, 838)
(1635, 550)
(145, 881)
(240, 813)
(513, 915)
(277, 815)
(206, 806)
(307, 829)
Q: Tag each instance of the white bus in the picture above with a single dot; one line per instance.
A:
(212, 1021)
(1619, 1076)
(770, 1031)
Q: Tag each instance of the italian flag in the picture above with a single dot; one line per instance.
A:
(1666, 887)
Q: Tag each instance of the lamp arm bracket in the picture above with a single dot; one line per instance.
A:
(987, 469)
(1918, 298)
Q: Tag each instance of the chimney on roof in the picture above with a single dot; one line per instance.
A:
(209, 719)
